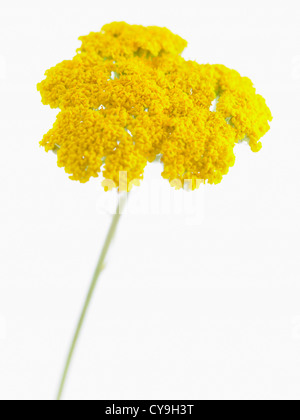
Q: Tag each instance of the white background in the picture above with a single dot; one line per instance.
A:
(198, 310)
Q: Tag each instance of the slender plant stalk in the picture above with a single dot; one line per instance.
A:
(98, 270)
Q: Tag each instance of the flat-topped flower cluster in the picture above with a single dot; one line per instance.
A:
(128, 98)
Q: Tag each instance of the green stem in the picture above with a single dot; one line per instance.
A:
(98, 270)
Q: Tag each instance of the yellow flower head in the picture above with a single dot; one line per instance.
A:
(128, 97)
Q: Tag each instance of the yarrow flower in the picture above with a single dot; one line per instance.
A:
(128, 97)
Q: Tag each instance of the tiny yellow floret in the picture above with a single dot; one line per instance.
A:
(128, 97)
